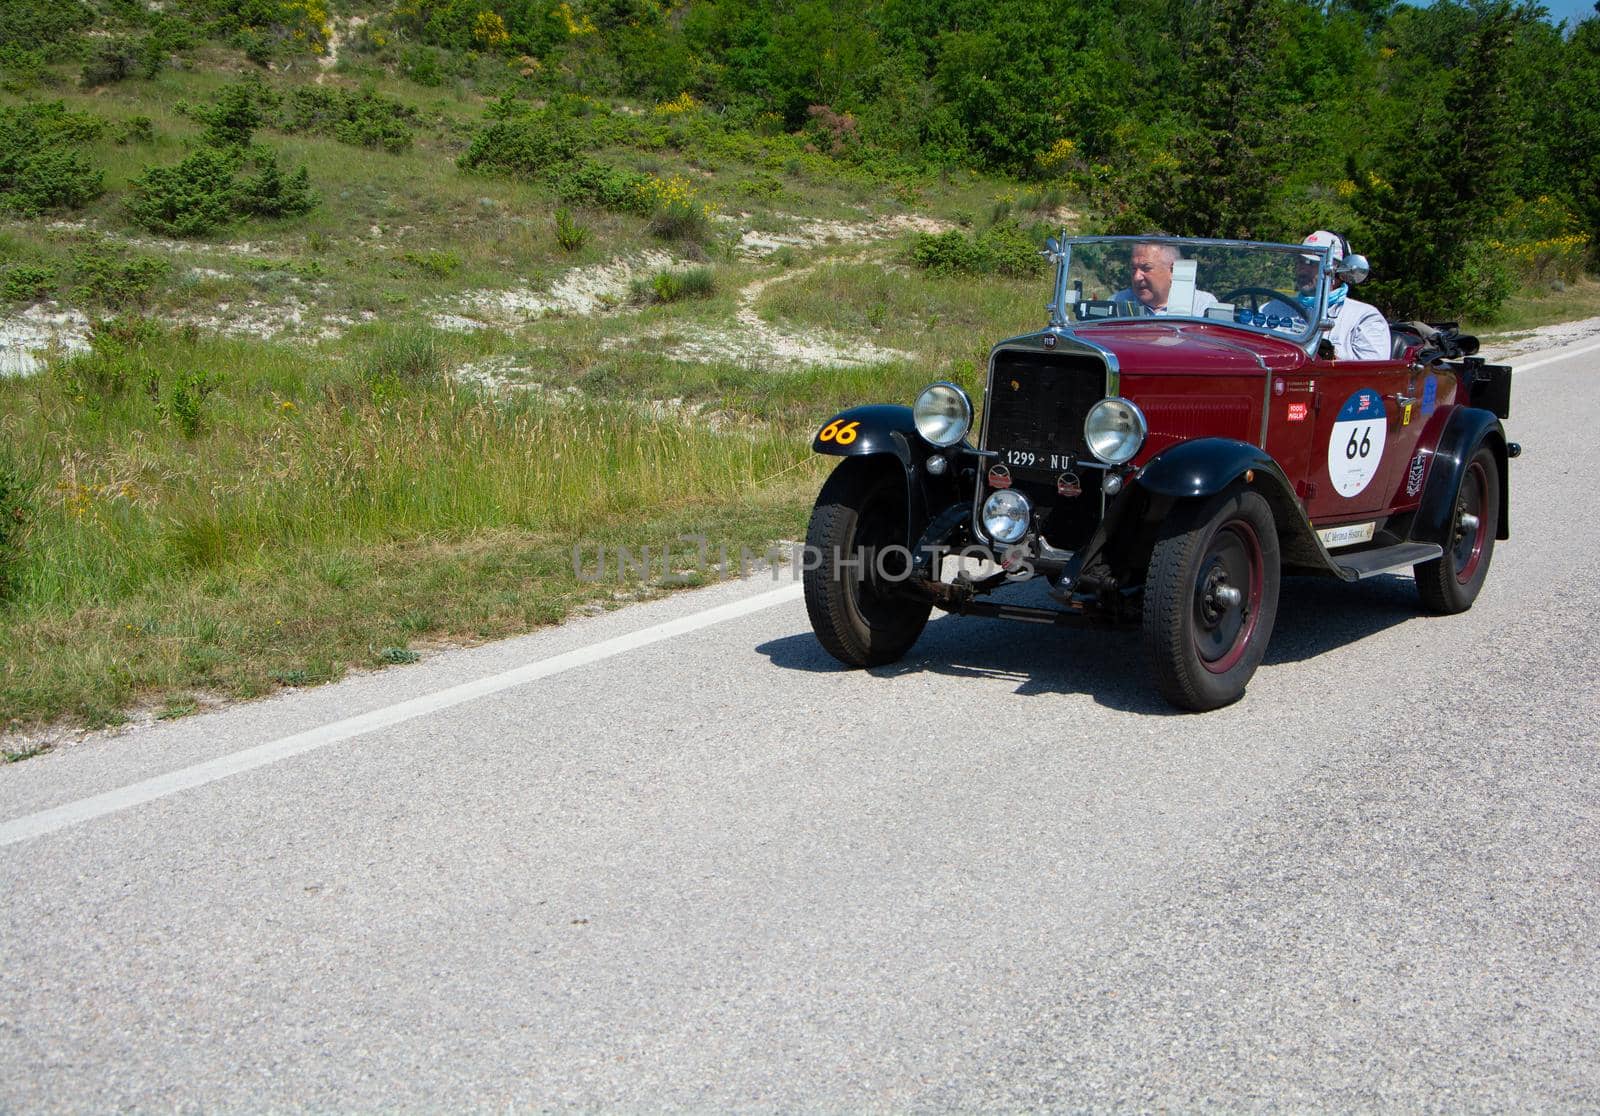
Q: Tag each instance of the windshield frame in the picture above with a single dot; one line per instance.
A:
(1316, 323)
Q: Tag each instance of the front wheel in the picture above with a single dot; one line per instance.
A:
(1210, 597)
(1451, 583)
(852, 596)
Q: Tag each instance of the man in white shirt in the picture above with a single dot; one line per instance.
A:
(1360, 332)
(1152, 282)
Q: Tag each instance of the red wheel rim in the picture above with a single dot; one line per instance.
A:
(1223, 630)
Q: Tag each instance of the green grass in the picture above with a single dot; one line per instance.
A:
(1528, 310)
(330, 513)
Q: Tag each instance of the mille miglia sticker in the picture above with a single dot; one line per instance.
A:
(999, 477)
(1348, 535)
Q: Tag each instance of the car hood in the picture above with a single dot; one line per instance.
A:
(1190, 348)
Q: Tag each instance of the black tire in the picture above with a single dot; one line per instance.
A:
(1451, 583)
(860, 619)
(1202, 650)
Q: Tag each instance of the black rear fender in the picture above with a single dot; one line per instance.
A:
(1465, 430)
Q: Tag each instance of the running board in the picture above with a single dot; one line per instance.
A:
(1386, 559)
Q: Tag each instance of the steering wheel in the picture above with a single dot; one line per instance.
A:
(1259, 297)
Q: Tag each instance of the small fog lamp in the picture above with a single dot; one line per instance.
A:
(1006, 515)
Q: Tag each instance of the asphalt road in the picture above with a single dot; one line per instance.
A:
(701, 867)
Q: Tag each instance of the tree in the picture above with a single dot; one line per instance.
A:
(1431, 200)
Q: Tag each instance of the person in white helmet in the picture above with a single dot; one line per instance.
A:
(1360, 332)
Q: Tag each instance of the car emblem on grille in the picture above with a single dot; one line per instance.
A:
(999, 477)
(1068, 485)
(1049, 340)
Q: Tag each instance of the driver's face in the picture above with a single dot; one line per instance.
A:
(1152, 276)
(1306, 274)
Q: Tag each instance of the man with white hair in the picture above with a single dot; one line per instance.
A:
(1360, 331)
(1152, 282)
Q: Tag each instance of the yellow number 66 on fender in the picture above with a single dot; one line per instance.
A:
(839, 431)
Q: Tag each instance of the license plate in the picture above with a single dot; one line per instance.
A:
(1034, 459)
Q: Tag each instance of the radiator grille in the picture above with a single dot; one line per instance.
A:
(1037, 403)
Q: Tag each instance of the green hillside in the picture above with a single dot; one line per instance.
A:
(329, 332)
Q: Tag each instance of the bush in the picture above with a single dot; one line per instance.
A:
(135, 129)
(270, 194)
(39, 170)
(1003, 249)
(193, 198)
(117, 59)
(1542, 241)
(185, 404)
(24, 283)
(362, 119)
(585, 182)
(535, 146)
(410, 357)
(675, 212)
(569, 234)
(109, 278)
(672, 286)
(241, 108)
(201, 194)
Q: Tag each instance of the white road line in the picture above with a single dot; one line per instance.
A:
(187, 778)
(1550, 359)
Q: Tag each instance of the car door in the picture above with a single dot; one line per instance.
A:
(1367, 418)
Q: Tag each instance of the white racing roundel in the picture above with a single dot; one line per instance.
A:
(1355, 448)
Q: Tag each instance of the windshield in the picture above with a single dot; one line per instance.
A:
(1270, 288)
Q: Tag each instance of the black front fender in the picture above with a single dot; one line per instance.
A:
(1206, 466)
(874, 428)
(889, 430)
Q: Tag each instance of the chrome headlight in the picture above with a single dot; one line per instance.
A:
(943, 414)
(1005, 515)
(1115, 430)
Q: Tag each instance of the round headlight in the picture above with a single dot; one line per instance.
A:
(1005, 515)
(1115, 430)
(943, 414)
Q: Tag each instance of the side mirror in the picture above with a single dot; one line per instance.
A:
(1353, 269)
(1052, 250)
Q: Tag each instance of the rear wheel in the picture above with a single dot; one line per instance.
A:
(1450, 584)
(859, 615)
(1210, 598)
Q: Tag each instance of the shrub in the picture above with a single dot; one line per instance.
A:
(270, 194)
(109, 278)
(437, 264)
(39, 170)
(362, 119)
(1542, 241)
(675, 212)
(535, 146)
(135, 129)
(193, 198)
(569, 234)
(672, 286)
(240, 109)
(1003, 249)
(119, 58)
(585, 182)
(185, 405)
(412, 356)
(24, 283)
(201, 194)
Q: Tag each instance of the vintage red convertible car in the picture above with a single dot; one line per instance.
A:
(1166, 470)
